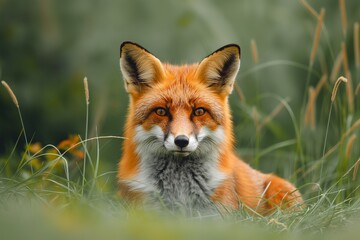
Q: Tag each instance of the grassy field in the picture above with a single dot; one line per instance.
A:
(63, 190)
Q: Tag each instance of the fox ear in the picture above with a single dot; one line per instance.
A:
(140, 69)
(219, 69)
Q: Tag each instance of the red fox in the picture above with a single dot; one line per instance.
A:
(178, 147)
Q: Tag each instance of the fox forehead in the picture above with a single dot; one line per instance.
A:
(179, 86)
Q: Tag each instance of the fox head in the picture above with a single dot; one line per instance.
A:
(179, 110)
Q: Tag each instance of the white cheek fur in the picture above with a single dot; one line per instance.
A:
(148, 141)
(142, 135)
(218, 136)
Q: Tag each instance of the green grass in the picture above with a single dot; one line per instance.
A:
(52, 191)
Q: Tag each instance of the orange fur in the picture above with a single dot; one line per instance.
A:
(183, 85)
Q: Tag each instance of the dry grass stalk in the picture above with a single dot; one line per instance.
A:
(349, 87)
(309, 8)
(310, 117)
(352, 128)
(343, 16)
(345, 135)
(86, 87)
(317, 35)
(349, 145)
(274, 220)
(320, 84)
(336, 68)
(345, 58)
(357, 90)
(310, 109)
(274, 113)
(254, 51)
(336, 86)
(11, 93)
(356, 167)
(239, 92)
(356, 44)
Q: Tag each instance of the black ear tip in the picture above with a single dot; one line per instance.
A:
(233, 45)
(125, 43)
(238, 47)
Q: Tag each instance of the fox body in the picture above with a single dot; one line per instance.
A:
(178, 147)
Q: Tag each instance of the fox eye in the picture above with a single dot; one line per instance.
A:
(160, 111)
(199, 111)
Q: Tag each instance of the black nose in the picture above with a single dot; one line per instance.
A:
(181, 141)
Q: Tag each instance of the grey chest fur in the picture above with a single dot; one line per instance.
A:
(180, 181)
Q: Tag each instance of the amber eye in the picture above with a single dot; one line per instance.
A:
(199, 111)
(160, 111)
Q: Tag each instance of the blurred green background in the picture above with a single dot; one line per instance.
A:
(47, 47)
